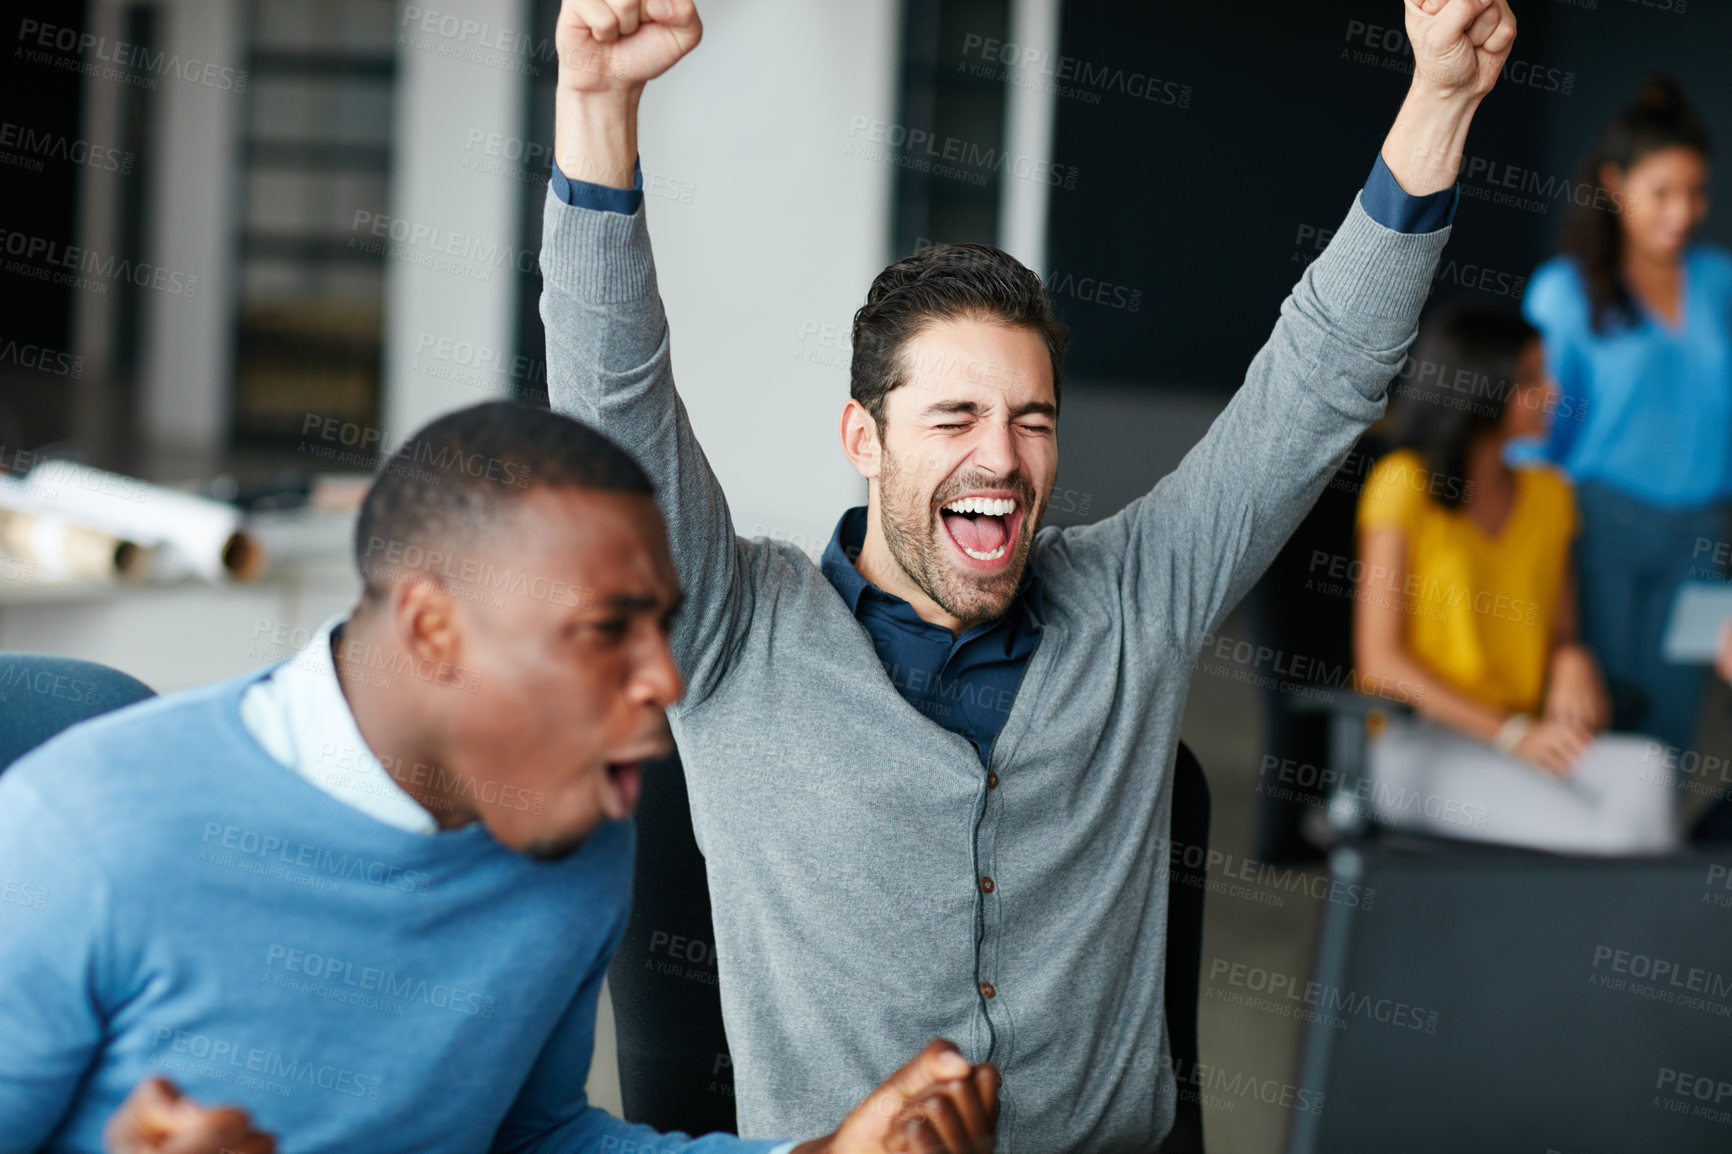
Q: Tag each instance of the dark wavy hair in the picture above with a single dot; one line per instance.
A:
(1455, 386)
(1658, 118)
(938, 283)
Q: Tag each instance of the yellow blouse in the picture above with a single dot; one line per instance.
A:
(1480, 608)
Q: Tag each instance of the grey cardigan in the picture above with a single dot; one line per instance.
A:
(845, 833)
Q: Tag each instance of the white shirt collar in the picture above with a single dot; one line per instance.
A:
(300, 716)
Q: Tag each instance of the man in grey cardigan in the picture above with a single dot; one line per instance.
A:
(931, 775)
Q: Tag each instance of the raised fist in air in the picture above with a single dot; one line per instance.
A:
(609, 45)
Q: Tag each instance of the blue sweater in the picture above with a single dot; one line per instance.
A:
(178, 903)
(1644, 410)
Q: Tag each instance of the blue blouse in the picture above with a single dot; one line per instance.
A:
(1645, 409)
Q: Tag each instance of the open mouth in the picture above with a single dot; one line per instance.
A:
(624, 786)
(983, 528)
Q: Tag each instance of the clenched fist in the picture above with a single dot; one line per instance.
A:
(621, 45)
(155, 1119)
(936, 1103)
(1459, 46)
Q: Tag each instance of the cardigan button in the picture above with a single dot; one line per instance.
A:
(985, 885)
(992, 781)
(986, 990)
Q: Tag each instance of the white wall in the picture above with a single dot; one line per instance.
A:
(188, 347)
(1029, 112)
(441, 280)
(763, 269)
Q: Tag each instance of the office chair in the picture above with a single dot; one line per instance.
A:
(40, 696)
(674, 1067)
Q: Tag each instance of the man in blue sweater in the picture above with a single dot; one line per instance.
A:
(369, 895)
(931, 772)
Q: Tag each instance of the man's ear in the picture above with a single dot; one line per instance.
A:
(860, 439)
(424, 617)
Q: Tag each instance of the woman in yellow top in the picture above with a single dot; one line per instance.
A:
(1466, 600)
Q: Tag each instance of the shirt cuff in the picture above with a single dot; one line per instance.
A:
(601, 197)
(1393, 207)
(784, 1148)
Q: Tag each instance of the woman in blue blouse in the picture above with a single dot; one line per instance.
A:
(1637, 320)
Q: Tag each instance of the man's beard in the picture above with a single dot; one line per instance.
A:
(911, 527)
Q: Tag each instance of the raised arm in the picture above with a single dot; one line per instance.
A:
(1187, 551)
(608, 355)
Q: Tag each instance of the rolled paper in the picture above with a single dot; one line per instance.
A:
(189, 533)
(63, 551)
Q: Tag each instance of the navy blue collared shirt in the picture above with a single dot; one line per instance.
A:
(963, 681)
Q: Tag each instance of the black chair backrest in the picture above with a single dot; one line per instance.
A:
(674, 1069)
(40, 696)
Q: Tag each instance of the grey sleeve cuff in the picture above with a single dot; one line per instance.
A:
(1369, 285)
(597, 256)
